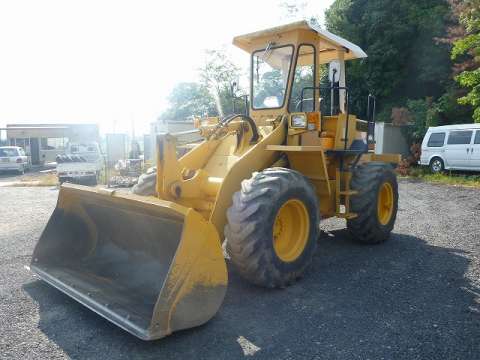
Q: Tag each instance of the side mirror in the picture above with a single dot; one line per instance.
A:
(334, 71)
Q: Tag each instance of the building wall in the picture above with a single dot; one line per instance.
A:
(390, 140)
(116, 148)
(171, 127)
(51, 138)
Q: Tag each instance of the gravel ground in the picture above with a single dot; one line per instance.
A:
(416, 296)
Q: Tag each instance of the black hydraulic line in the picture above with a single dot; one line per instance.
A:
(371, 110)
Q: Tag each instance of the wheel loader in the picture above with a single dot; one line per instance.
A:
(260, 181)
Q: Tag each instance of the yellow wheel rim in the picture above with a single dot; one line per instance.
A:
(290, 230)
(385, 203)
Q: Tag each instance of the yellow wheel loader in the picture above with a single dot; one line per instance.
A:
(261, 181)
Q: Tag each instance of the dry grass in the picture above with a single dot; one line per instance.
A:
(49, 179)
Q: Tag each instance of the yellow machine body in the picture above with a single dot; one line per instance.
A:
(153, 265)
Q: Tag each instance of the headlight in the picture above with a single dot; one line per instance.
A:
(299, 121)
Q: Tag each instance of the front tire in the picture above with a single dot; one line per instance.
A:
(375, 204)
(272, 227)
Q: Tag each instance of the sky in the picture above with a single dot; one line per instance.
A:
(114, 62)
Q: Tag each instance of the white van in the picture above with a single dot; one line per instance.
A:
(452, 147)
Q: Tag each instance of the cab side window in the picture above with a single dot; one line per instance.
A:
(459, 137)
(436, 140)
(477, 137)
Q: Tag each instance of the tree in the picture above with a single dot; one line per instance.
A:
(211, 96)
(405, 61)
(188, 99)
(217, 75)
(467, 50)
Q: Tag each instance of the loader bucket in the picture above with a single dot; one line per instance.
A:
(149, 266)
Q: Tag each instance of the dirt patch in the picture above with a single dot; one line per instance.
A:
(49, 179)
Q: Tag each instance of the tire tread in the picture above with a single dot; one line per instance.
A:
(246, 226)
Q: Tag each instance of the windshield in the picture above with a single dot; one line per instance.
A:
(270, 69)
(7, 152)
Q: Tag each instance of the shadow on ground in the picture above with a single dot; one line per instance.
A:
(401, 299)
(5, 174)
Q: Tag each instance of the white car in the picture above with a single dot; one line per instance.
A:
(452, 147)
(13, 158)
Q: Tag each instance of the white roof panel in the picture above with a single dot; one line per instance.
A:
(354, 51)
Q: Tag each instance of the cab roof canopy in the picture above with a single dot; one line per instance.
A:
(328, 45)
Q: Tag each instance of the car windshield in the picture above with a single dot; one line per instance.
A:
(8, 152)
(270, 69)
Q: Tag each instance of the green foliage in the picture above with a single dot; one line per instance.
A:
(471, 79)
(424, 114)
(465, 45)
(448, 178)
(405, 61)
(447, 108)
(469, 47)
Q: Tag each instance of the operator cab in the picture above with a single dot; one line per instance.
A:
(287, 63)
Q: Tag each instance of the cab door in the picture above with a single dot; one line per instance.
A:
(475, 152)
(457, 151)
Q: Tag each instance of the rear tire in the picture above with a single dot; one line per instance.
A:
(436, 165)
(272, 227)
(375, 204)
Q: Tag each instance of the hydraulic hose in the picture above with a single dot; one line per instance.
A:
(250, 122)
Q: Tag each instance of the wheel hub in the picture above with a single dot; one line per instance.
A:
(436, 165)
(385, 203)
(290, 230)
